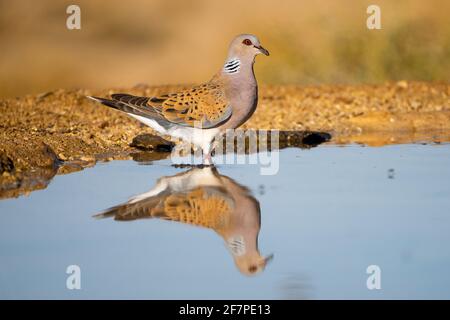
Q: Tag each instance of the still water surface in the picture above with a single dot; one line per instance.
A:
(308, 232)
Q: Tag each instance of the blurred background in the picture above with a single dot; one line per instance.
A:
(125, 43)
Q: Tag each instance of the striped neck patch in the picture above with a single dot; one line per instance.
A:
(236, 245)
(232, 66)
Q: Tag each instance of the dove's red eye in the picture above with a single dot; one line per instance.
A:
(252, 269)
(247, 42)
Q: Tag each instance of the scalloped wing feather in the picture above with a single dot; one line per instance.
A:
(203, 106)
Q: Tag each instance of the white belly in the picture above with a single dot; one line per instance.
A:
(199, 137)
(149, 122)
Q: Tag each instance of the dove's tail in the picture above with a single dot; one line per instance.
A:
(136, 107)
(148, 208)
(106, 102)
(127, 103)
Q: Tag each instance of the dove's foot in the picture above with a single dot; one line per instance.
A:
(207, 160)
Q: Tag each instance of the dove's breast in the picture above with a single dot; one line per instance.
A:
(243, 98)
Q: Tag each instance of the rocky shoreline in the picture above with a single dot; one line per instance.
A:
(61, 131)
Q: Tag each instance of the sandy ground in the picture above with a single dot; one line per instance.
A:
(60, 132)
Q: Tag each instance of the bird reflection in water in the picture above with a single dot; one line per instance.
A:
(205, 198)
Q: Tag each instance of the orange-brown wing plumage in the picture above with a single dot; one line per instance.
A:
(202, 106)
(207, 207)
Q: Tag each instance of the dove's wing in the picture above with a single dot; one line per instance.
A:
(208, 207)
(204, 106)
(197, 197)
(133, 210)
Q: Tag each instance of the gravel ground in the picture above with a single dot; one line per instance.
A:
(62, 131)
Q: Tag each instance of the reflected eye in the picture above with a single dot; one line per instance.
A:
(247, 42)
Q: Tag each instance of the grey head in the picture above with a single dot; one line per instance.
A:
(242, 51)
(246, 45)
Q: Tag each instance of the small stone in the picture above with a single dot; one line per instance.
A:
(402, 84)
(87, 158)
(150, 142)
(6, 163)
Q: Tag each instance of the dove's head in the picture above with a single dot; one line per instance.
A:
(246, 255)
(252, 264)
(246, 46)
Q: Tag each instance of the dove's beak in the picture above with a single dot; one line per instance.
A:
(262, 50)
(270, 256)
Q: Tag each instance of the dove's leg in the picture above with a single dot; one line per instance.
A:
(203, 138)
(207, 150)
(207, 160)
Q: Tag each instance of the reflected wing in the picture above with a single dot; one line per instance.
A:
(208, 207)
